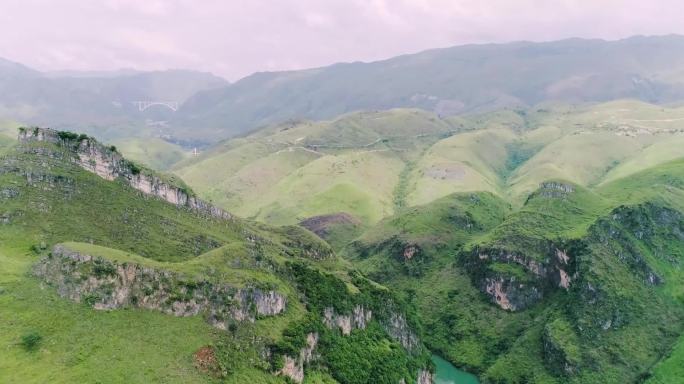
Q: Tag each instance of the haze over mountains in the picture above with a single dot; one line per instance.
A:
(100, 102)
(462, 79)
(452, 80)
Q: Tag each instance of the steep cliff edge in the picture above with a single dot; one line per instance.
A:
(109, 164)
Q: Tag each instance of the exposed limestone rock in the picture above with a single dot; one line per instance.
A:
(424, 377)
(554, 189)
(108, 285)
(511, 295)
(510, 292)
(410, 251)
(397, 327)
(358, 319)
(109, 164)
(399, 330)
(294, 368)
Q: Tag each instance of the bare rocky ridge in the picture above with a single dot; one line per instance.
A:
(105, 284)
(107, 163)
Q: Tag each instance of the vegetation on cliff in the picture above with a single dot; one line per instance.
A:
(577, 286)
(127, 239)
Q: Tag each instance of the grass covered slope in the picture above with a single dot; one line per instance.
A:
(372, 164)
(110, 228)
(291, 171)
(576, 286)
(154, 152)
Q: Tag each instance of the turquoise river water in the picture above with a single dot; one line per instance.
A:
(448, 374)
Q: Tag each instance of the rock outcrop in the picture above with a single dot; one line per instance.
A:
(555, 189)
(513, 292)
(358, 319)
(424, 377)
(109, 164)
(398, 329)
(294, 367)
(105, 284)
(396, 326)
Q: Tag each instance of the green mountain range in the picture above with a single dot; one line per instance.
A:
(455, 80)
(515, 209)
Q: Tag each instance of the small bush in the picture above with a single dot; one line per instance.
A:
(90, 299)
(134, 168)
(67, 136)
(103, 269)
(31, 340)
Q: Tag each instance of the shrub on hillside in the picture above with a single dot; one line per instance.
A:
(31, 341)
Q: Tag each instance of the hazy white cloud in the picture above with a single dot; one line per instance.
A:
(236, 37)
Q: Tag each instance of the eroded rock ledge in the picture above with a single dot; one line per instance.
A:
(109, 164)
(105, 284)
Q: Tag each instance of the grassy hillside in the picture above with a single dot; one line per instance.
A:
(8, 134)
(291, 171)
(592, 279)
(372, 164)
(154, 152)
(48, 199)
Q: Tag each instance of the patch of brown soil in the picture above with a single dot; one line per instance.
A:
(205, 360)
(321, 225)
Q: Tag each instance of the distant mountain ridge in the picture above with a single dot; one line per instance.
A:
(101, 103)
(462, 79)
(447, 81)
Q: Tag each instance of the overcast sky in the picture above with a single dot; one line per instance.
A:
(234, 38)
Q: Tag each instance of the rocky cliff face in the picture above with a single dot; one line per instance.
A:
(514, 292)
(396, 326)
(618, 233)
(294, 367)
(358, 319)
(106, 284)
(424, 377)
(398, 329)
(107, 163)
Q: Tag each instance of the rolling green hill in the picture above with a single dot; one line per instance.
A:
(104, 280)
(152, 151)
(371, 164)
